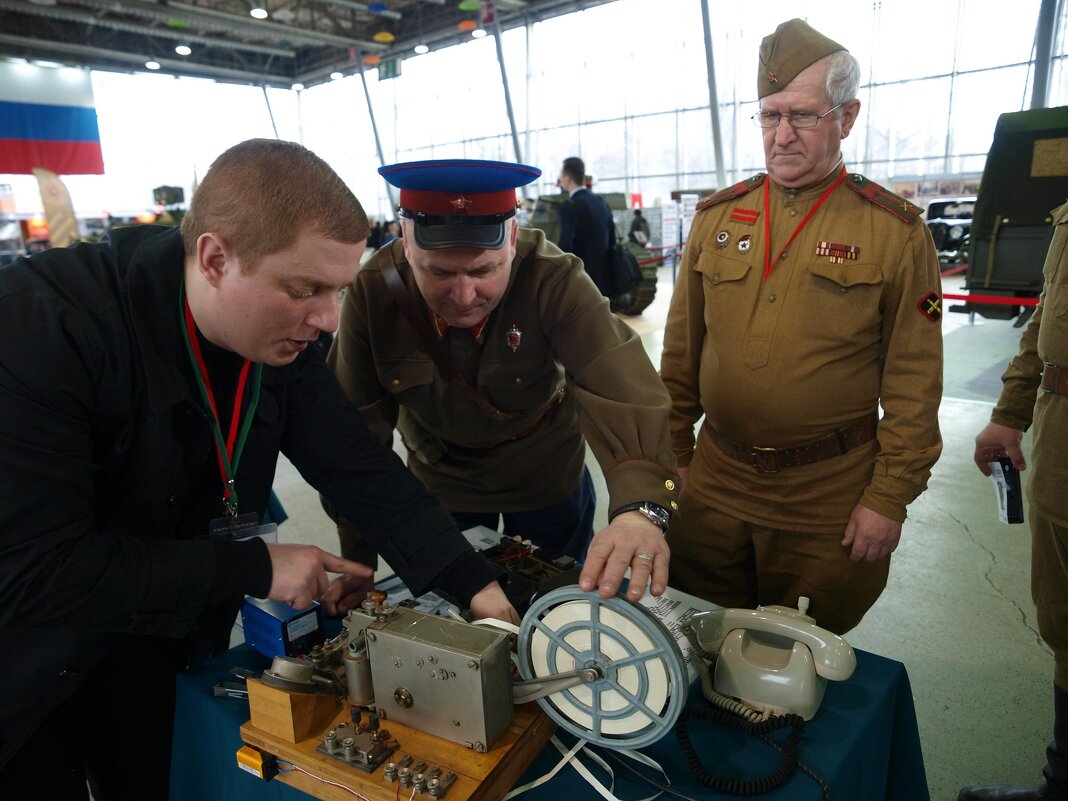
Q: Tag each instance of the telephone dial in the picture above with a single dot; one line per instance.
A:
(773, 659)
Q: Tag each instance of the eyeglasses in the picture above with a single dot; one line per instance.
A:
(797, 119)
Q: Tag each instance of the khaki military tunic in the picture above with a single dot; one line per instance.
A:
(565, 339)
(1022, 403)
(847, 319)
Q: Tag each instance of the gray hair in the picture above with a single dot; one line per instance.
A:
(843, 78)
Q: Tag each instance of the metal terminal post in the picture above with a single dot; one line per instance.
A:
(438, 787)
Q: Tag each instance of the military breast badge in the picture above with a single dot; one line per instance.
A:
(514, 338)
(838, 253)
(722, 238)
(744, 243)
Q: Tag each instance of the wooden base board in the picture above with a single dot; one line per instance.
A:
(479, 777)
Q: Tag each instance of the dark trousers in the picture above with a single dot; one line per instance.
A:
(113, 733)
(564, 528)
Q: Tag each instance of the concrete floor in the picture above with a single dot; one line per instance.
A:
(957, 610)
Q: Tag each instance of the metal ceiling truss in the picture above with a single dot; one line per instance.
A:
(302, 41)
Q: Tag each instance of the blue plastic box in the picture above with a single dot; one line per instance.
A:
(275, 629)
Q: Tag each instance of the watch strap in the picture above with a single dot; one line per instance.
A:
(654, 512)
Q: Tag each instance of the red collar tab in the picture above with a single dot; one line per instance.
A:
(442, 327)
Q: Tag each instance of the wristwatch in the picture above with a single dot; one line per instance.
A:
(656, 514)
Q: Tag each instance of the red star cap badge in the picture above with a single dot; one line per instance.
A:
(461, 203)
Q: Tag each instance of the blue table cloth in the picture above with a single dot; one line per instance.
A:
(863, 743)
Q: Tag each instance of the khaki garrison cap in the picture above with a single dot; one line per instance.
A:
(794, 46)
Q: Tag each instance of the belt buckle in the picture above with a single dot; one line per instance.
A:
(765, 460)
(1051, 376)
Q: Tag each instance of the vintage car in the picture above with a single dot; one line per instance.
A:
(950, 221)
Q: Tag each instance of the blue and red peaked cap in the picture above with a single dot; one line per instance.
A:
(458, 202)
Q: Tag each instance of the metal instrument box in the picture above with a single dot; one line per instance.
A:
(442, 676)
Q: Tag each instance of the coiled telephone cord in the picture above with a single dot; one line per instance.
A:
(724, 784)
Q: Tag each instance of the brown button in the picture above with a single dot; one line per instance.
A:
(669, 484)
(395, 382)
(843, 289)
(772, 298)
(675, 506)
(793, 212)
(519, 380)
(715, 278)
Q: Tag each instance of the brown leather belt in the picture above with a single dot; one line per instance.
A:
(772, 460)
(1055, 379)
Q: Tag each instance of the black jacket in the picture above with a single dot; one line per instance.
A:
(588, 230)
(104, 445)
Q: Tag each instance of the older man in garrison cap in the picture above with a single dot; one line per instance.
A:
(497, 359)
(809, 298)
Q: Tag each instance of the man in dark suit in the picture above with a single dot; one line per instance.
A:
(586, 225)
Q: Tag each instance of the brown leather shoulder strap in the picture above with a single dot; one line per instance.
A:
(404, 299)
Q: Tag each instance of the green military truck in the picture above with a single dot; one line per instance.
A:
(1025, 178)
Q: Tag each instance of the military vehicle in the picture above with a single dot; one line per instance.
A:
(950, 221)
(1025, 178)
(546, 216)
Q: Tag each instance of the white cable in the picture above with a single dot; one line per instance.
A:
(323, 779)
(556, 769)
(493, 622)
(571, 757)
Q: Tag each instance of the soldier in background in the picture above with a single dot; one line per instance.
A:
(1035, 391)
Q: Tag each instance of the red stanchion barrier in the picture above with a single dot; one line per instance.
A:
(1002, 299)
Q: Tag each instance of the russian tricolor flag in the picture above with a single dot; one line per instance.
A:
(48, 120)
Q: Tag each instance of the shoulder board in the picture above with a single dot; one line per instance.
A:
(731, 192)
(884, 198)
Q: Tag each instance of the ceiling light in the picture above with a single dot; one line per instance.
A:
(297, 87)
(384, 37)
(371, 59)
(421, 49)
(467, 25)
(336, 76)
(152, 65)
(469, 5)
(183, 50)
(50, 64)
(478, 33)
(258, 13)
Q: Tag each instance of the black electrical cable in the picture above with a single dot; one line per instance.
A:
(724, 784)
(664, 788)
(805, 769)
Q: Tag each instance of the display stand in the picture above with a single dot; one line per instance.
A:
(484, 776)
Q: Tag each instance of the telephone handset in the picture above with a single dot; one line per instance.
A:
(773, 658)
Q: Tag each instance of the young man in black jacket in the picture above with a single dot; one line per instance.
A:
(147, 386)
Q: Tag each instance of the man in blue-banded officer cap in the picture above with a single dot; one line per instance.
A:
(498, 361)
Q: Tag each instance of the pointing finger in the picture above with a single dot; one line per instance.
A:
(336, 564)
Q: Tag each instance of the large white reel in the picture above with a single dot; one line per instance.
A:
(643, 682)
